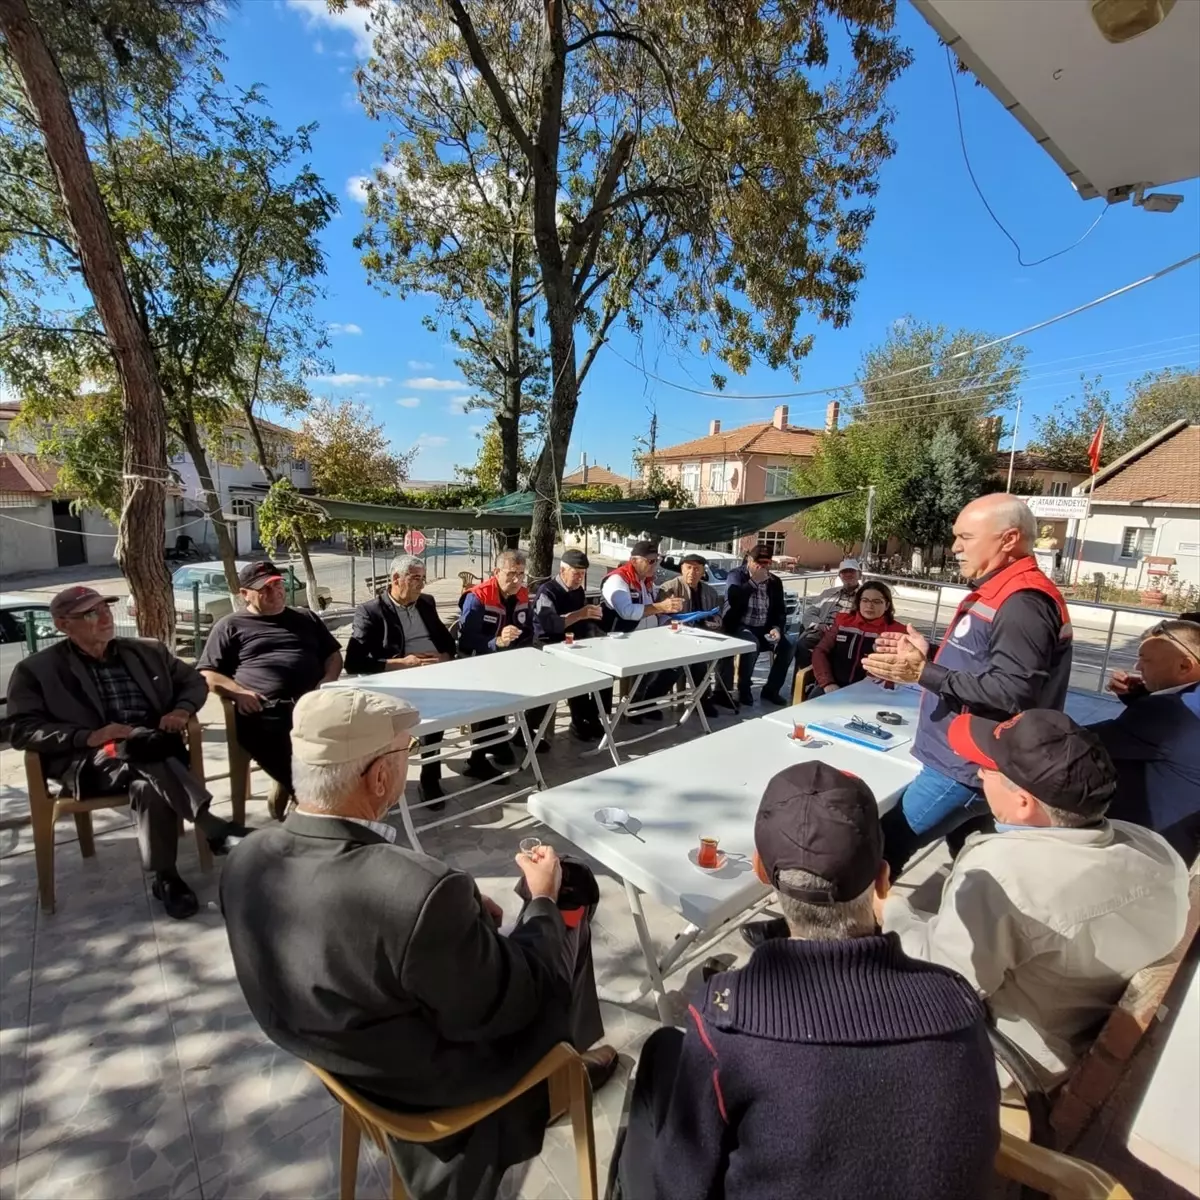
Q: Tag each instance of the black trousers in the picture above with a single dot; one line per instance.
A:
(781, 653)
(806, 643)
(431, 770)
(470, 1165)
(159, 794)
(633, 1157)
(267, 737)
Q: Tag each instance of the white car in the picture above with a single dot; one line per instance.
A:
(215, 597)
(16, 611)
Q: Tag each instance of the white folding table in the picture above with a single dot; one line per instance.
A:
(645, 652)
(465, 691)
(710, 787)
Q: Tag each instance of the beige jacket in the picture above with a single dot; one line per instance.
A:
(1049, 925)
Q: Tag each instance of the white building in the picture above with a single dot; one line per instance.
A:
(40, 529)
(1146, 507)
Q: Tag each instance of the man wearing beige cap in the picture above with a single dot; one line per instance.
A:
(386, 968)
(106, 713)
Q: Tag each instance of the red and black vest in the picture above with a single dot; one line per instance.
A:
(853, 639)
(496, 612)
(967, 647)
(641, 591)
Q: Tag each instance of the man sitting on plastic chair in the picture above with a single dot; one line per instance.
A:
(106, 715)
(387, 969)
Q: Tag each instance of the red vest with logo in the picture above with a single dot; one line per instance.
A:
(495, 611)
(640, 591)
(967, 647)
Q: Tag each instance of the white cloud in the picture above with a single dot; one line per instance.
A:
(476, 428)
(457, 405)
(337, 327)
(415, 364)
(432, 439)
(409, 401)
(347, 379)
(427, 383)
(352, 20)
(356, 188)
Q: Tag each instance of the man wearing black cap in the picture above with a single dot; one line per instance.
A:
(560, 606)
(264, 660)
(794, 1076)
(756, 611)
(1052, 915)
(698, 596)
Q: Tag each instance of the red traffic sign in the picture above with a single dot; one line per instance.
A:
(414, 542)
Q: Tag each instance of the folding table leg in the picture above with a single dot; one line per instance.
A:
(608, 726)
(656, 980)
(695, 694)
(531, 744)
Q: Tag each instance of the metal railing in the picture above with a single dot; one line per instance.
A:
(1109, 642)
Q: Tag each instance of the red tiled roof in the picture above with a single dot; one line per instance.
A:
(760, 438)
(595, 475)
(23, 473)
(1164, 469)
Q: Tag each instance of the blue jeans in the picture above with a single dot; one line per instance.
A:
(932, 806)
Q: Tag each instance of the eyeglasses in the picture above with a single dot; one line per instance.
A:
(1161, 630)
(92, 615)
(413, 744)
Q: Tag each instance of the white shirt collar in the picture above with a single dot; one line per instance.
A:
(384, 831)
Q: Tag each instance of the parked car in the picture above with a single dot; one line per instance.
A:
(15, 608)
(215, 597)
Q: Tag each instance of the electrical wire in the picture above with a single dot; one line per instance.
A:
(962, 141)
(1008, 337)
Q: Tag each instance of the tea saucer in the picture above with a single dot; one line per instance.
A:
(722, 860)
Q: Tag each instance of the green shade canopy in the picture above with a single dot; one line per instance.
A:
(515, 511)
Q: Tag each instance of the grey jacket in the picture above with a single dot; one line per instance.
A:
(53, 703)
(823, 607)
(705, 594)
(1049, 925)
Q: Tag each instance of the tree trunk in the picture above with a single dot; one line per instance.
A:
(301, 546)
(142, 529)
(226, 550)
(508, 416)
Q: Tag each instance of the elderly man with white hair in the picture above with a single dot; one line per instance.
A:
(1007, 649)
(387, 968)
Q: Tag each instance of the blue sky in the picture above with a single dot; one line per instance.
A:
(932, 252)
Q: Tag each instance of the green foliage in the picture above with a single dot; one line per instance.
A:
(900, 411)
(487, 472)
(656, 486)
(595, 493)
(349, 455)
(1151, 402)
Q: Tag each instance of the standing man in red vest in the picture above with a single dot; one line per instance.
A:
(496, 616)
(1008, 649)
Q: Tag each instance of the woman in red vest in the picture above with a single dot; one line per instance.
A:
(837, 657)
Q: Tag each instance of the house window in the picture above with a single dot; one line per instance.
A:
(774, 538)
(298, 464)
(1136, 542)
(242, 508)
(778, 481)
(720, 475)
(689, 478)
(1058, 488)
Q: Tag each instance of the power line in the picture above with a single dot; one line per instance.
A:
(962, 141)
(1008, 337)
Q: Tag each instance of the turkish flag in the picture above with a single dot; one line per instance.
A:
(1094, 448)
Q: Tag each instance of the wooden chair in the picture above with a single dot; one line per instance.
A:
(240, 766)
(803, 676)
(562, 1069)
(1054, 1174)
(45, 809)
(1060, 1117)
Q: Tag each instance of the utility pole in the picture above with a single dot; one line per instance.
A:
(653, 433)
(1012, 452)
(866, 547)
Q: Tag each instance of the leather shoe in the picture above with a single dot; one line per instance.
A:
(502, 754)
(653, 714)
(478, 767)
(757, 932)
(601, 1064)
(177, 898)
(429, 787)
(588, 733)
(720, 700)
(774, 698)
(229, 837)
(708, 707)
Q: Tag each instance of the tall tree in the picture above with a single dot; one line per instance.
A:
(126, 39)
(922, 381)
(699, 160)
(349, 455)
(1150, 403)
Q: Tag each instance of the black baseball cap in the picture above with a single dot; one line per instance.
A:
(575, 558)
(643, 549)
(699, 559)
(1043, 751)
(818, 819)
(258, 574)
(761, 552)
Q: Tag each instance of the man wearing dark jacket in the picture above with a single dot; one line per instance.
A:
(387, 968)
(106, 715)
(560, 607)
(756, 611)
(698, 596)
(1007, 649)
(789, 1079)
(398, 631)
(1155, 742)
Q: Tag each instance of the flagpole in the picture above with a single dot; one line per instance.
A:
(1094, 452)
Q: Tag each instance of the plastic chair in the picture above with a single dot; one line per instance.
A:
(468, 580)
(45, 809)
(240, 766)
(562, 1069)
(1054, 1174)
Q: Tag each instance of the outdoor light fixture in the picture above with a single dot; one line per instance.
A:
(1122, 20)
(1161, 202)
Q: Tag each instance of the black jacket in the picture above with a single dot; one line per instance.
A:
(381, 966)
(737, 600)
(792, 1081)
(378, 634)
